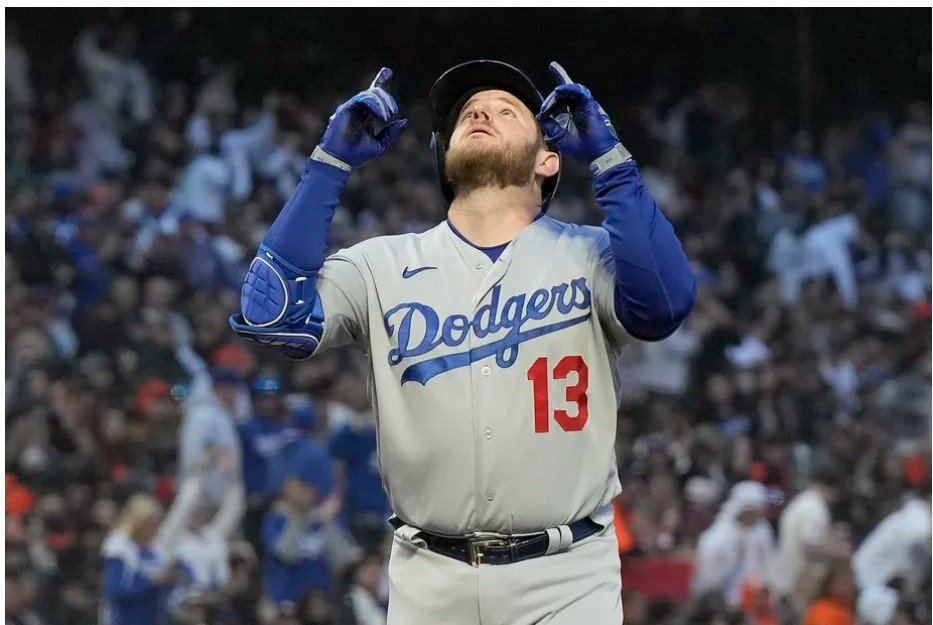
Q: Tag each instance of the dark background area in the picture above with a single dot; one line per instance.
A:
(855, 57)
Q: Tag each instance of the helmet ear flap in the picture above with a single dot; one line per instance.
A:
(438, 147)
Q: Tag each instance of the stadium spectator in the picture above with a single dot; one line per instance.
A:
(138, 574)
(263, 437)
(294, 535)
(899, 547)
(805, 536)
(835, 601)
(738, 547)
(303, 454)
(366, 507)
(365, 600)
(196, 532)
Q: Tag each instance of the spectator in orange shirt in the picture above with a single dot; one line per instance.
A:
(835, 603)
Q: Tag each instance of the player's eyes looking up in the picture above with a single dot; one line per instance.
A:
(468, 110)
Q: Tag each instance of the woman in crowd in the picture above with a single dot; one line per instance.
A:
(138, 575)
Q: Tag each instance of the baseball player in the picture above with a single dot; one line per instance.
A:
(491, 340)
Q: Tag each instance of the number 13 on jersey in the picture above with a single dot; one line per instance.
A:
(575, 393)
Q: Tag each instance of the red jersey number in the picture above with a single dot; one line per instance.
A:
(575, 393)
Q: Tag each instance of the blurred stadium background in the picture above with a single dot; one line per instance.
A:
(148, 150)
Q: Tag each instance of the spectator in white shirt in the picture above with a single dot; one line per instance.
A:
(208, 427)
(115, 79)
(213, 179)
(737, 547)
(203, 191)
(664, 366)
(899, 547)
(805, 536)
(364, 598)
(826, 246)
(822, 251)
(195, 532)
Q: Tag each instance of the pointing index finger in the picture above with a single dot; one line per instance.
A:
(559, 73)
(384, 75)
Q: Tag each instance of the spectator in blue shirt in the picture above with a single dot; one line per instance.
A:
(263, 437)
(137, 574)
(303, 455)
(366, 507)
(294, 535)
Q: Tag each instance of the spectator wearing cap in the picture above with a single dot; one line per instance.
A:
(303, 456)
(263, 437)
(805, 536)
(737, 547)
(294, 535)
(366, 507)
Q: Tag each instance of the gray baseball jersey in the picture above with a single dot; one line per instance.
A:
(493, 383)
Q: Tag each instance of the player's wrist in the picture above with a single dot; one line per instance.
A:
(614, 157)
(320, 155)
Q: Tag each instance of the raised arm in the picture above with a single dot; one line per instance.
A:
(280, 302)
(654, 286)
(186, 500)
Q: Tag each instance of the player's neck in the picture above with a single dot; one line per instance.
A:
(489, 216)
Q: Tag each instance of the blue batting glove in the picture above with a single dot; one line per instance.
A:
(574, 121)
(360, 129)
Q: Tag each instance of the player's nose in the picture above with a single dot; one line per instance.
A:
(480, 113)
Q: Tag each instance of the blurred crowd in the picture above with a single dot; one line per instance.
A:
(159, 470)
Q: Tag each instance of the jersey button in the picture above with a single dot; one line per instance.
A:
(480, 265)
(488, 433)
(486, 371)
(490, 496)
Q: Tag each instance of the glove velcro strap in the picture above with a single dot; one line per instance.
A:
(328, 159)
(616, 156)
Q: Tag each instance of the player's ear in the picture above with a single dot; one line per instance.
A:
(548, 163)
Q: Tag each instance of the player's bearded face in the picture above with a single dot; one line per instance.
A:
(491, 164)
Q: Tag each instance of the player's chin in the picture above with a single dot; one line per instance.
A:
(479, 141)
(484, 144)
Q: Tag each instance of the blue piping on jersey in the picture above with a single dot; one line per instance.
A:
(493, 251)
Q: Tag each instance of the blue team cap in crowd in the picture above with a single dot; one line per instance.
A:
(311, 475)
(269, 385)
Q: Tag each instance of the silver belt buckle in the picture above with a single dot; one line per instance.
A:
(481, 541)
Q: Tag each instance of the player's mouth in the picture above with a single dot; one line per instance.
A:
(479, 130)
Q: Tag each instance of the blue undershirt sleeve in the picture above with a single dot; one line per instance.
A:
(279, 302)
(654, 285)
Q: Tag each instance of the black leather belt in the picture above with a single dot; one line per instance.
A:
(491, 548)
